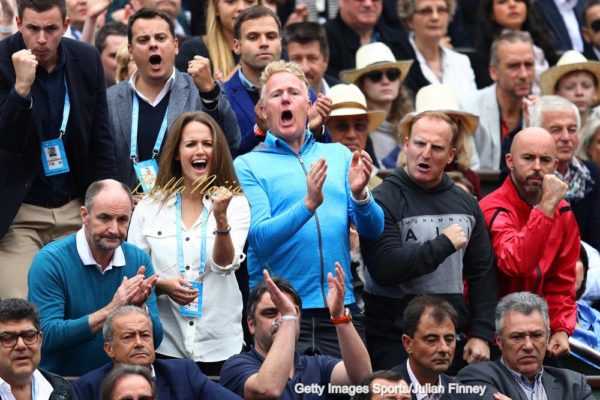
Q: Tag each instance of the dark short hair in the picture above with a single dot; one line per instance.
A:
(307, 32)
(260, 289)
(96, 187)
(111, 29)
(19, 310)
(435, 306)
(387, 374)
(587, 5)
(148, 13)
(41, 6)
(251, 13)
(120, 371)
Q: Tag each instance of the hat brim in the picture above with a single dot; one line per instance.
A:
(353, 75)
(376, 117)
(470, 121)
(550, 77)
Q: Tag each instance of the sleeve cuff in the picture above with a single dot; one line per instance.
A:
(25, 103)
(366, 200)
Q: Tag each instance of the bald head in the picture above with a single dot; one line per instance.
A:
(115, 188)
(532, 155)
(533, 135)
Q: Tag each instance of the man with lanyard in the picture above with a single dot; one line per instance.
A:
(143, 108)
(53, 112)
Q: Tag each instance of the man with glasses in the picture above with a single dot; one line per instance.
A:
(534, 232)
(591, 29)
(20, 354)
(522, 331)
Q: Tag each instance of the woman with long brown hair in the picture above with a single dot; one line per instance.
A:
(194, 226)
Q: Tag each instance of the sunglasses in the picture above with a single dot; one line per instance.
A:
(595, 25)
(377, 76)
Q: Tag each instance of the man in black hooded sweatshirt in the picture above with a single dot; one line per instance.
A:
(434, 236)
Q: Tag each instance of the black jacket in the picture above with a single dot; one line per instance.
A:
(89, 143)
(63, 390)
(413, 257)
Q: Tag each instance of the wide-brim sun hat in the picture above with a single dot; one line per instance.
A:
(348, 100)
(439, 97)
(375, 57)
(571, 61)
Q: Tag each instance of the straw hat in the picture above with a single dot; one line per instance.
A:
(347, 100)
(374, 57)
(571, 61)
(439, 97)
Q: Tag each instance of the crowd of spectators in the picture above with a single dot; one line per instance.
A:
(292, 195)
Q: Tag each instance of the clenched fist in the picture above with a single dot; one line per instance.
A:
(25, 63)
(457, 236)
(199, 70)
(553, 191)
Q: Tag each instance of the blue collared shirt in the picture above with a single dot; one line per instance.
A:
(533, 392)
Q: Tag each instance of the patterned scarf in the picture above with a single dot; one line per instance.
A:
(579, 179)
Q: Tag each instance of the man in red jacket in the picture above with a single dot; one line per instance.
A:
(534, 232)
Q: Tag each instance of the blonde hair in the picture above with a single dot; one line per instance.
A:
(122, 71)
(219, 51)
(282, 66)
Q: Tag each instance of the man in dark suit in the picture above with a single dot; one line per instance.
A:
(429, 324)
(54, 136)
(522, 331)
(591, 29)
(564, 25)
(128, 339)
(306, 45)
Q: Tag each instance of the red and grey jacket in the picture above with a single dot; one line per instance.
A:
(534, 252)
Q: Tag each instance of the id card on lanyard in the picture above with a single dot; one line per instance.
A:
(54, 157)
(146, 171)
(193, 309)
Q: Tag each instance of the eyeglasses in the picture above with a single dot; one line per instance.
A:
(9, 339)
(428, 11)
(377, 76)
(595, 25)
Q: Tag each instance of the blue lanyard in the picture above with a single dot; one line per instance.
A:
(179, 229)
(66, 111)
(135, 115)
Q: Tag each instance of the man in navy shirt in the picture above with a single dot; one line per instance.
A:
(272, 368)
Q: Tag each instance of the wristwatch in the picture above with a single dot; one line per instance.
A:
(344, 319)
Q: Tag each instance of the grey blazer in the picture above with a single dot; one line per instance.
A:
(559, 383)
(487, 135)
(184, 97)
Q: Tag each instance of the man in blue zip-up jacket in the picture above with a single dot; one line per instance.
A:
(303, 195)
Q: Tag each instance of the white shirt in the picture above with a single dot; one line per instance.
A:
(456, 70)
(417, 388)
(85, 254)
(161, 94)
(217, 334)
(41, 388)
(567, 12)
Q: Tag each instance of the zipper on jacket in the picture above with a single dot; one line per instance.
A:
(538, 280)
(322, 261)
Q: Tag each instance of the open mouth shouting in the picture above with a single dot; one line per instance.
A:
(423, 167)
(287, 118)
(155, 62)
(200, 166)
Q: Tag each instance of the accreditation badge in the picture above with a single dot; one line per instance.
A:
(193, 309)
(54, 157)
(146, 172)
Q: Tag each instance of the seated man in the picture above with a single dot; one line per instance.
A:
(21, 343)
(384, 384)
(522, 332)
(429, 338)
(77, 281)
(128, 340)
(534, 232)
(273, 368)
